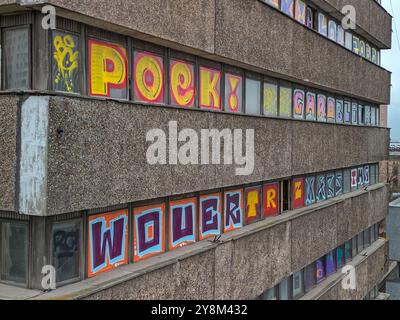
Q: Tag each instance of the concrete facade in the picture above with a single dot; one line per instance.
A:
(68, 158)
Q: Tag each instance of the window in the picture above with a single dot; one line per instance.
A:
(270, 102)
(354, 246)
(65, 248)
(367, 115)
(373, 116)
(253, 96)
(377, 173)
(330, 263)
(297, 284)
(348, 40)
(361, 115)
(287, 7)
(309, 277)
(300, 12)
(321, 188)
(14, 258)
(372, 174)
(310, 17)
(108, 58)
(66, 67)
(360, 242)
(311, 106)
(298, 104)
(372, 234)
(320, 270)
(330, 182)
(16, 44)
(270, 294)
(338, 183)
(346, 181)
(332, 30)
(285, 101)
(348, 251)
(340, 257)
(347, 112)
(233, 93)
(321, 108)
(309, 191)
(354, 113)
(284, 289)
(285, 195)
(322, 24)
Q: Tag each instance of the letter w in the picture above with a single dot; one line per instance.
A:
(107, 242)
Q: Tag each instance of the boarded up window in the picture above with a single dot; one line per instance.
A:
(65, 250)
(17, 58)
(14, 239)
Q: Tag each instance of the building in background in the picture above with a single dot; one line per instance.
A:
(78, 192)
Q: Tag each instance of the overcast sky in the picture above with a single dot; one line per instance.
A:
(390, 61)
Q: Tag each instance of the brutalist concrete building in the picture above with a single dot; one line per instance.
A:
(127, 130)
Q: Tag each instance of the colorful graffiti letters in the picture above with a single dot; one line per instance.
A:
(182, 219)
(108, 71)
(366, 175)
(253, 204)
(300, 12)
(298, 193)
(270, 200)
(321, 188)
(339, 111)
(331, 109)
(149, 79)
(287, 6)
(321, 108)
(270, 99)
(330, 182)
(233, 210)
(320, 270)
(298, 104)
(66, 62)
(360, 177)
(339, 183)
(149, 231)
(311, 106)
(210, 83)
(210, 216)
(233, 93)
(107, 241)
(310, 191)
(182, 83)
(354, 179)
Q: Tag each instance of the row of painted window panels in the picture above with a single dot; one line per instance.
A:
(341, 109)
(303, 281)
(14, 241)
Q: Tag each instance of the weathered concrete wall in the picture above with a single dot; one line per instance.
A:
(100, 158)
(296, 51)
(248, 261)
(8, 150)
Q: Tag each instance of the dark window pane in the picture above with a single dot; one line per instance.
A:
(65, 246)
(367, 240)
(346, 181)
(297, 284)
(14, 239)
(360, 242)
(284, 289)
(270, 294)
(330, 264)
(354, 246)
(340, 257)
(309, 277)
(348, 251)
(16, 58)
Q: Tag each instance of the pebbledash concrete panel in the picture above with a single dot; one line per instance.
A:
(8, 150)
(328, 65)
(97, 152)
